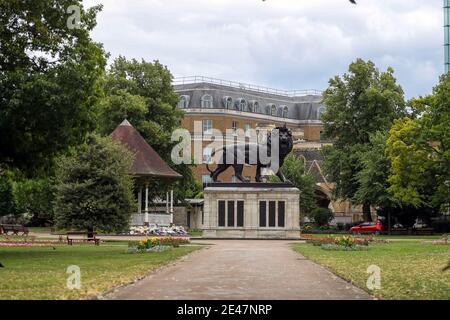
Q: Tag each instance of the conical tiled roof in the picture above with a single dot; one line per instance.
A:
(146, 162)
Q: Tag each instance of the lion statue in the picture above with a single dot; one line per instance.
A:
(242, 152)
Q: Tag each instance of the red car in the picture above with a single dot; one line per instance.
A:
(368, 227)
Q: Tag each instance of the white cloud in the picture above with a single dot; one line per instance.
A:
(290, 44)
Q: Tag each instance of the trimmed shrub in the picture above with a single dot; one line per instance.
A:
(322, 216)
(94, 188)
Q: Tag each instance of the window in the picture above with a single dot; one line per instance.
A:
(273, 110)
(256, 107)
(206, 178)
(230, 213)
(234, 126)
(233, 179)
(207, 101)
(207, 158)
(272, 214)
(184, 102)
(280, 112)
(207, 127)
(247, 129)
(241, 104)
(285, 112)
(228, 102)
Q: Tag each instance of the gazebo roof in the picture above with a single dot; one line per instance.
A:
(147, 162)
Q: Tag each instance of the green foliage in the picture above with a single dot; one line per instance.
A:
(7, 202)
(35, 197)
(294, 170)
(322, 216)
(94, 188)
(419, 150)
(142, 92)
(372, 179)
(48, 80)
(359, 104)
(195, 190)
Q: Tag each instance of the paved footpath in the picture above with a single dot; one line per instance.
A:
(241, 269)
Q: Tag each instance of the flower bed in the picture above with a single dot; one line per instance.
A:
(444, 240)
(157, 244)
(20, 241)
(335, 247)
(347, 243)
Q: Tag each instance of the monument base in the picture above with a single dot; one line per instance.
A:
(251, 211)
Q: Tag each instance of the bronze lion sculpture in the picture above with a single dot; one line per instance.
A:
(237, 155)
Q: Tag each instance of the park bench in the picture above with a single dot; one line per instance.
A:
(14, 229)
(80, 236)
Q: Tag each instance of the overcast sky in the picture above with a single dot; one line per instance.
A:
(286, 44)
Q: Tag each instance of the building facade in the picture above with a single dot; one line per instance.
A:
(223, 105)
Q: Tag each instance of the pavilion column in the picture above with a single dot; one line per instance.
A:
(167, 203)
(171, 206)
(146, 206)
(140, 200)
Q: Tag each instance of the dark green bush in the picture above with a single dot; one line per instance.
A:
(441, 226)
(7, 202)
(322, 216)
(94, 189)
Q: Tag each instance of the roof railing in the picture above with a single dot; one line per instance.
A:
(245, 86)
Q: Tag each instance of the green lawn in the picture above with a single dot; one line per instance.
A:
(40, 273)
(410, 269)
(387, 237)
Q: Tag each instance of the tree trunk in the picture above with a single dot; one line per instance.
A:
(367, 215)
(90, 233)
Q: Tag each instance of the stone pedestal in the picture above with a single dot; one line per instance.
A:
(251, 211)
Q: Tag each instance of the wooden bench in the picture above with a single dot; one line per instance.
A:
(85, 237)
(14, 229)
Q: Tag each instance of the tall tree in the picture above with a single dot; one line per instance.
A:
(419, 150)
(143, 93)
(94, 189)
(294, 170)
(49, 75)
(360, 103)
(373, 177)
